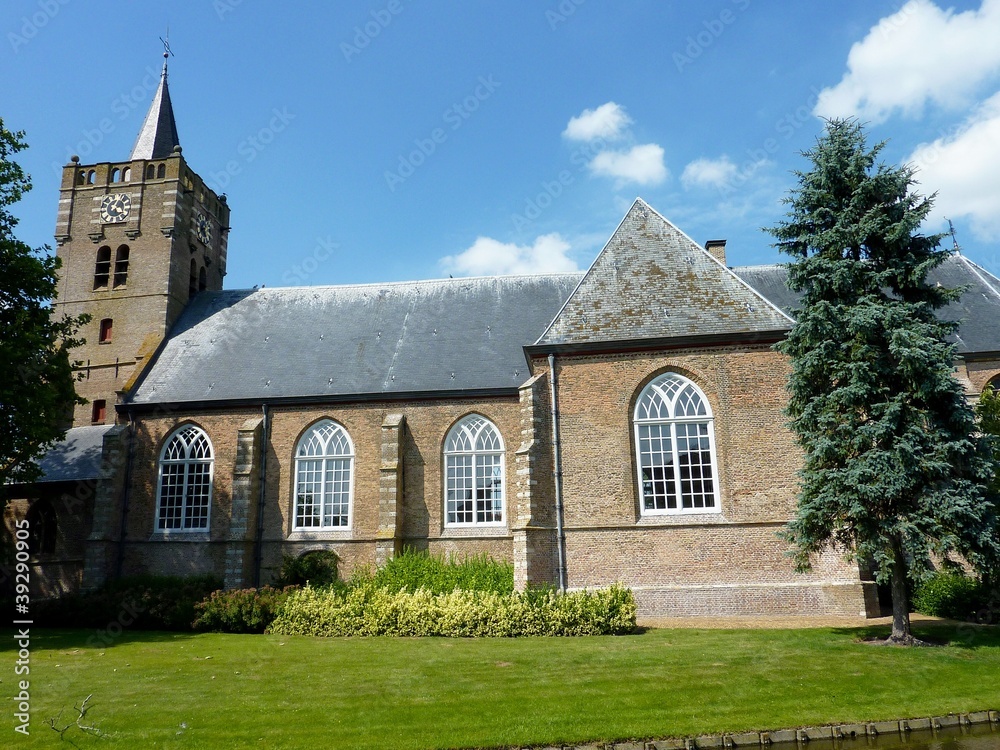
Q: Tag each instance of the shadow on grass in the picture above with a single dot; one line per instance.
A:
(91, 638)
(955, 634)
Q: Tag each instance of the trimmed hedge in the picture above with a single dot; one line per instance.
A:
(369, 610)
(144, 602)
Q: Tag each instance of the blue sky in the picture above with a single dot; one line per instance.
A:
(393, 140)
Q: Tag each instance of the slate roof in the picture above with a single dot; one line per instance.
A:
(350, 341)
(978, 310)
(158, 134)
(76, 457)
(652, 281)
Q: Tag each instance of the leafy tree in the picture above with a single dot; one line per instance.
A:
(36, 375)
(893, 469)
(988, 410)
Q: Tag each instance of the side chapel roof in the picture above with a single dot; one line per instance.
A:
(977, 311)
(652, 281)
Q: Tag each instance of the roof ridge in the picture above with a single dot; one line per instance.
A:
(979, 271)
(414, 282)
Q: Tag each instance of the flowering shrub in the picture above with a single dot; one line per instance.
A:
(240, 610)
(368, 610)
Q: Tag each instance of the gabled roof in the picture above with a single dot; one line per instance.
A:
(158, 135)
(348, 342)
(76, 457)
(978, 310)
(651, 281)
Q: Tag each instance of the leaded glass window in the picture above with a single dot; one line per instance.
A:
(675, 442)
(185, 489)
(474, 473)
(324, 477)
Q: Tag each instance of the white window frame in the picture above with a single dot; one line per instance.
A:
(195, 434)
(337, 433)
(465, 440)
(678, 397)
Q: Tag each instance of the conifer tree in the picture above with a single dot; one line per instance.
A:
(894, 471)
(36, 375)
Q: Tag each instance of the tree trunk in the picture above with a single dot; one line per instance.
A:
(900, 600)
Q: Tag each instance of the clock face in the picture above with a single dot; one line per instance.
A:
(203, 227)
(115, 208)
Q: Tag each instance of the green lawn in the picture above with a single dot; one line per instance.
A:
(165, 690)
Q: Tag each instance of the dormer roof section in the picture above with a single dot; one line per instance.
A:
(652, 282)
(158, 135)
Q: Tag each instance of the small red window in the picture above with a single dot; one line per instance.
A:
(106, 327)
(99, 412)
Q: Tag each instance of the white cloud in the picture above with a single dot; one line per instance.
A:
(490, 257)
(962, 167)
(607, 121)
(917, 55)
(641, 164)
(715, 173)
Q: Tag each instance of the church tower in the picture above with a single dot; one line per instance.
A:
(137, 239)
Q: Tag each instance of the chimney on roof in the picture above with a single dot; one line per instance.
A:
(717, 249)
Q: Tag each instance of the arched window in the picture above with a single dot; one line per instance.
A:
(90, 177)
(42, 528)
(126, 174)
(184, 496)
(81, 177)
(202, 280)
(474, 473)
(324, 477)
(675, 441)
(115, 174)
(161, 171)
(121, 266)
(102, 269)
(150, 171)
(193, 279)
(994, 384)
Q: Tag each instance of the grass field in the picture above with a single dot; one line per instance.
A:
(169, 690)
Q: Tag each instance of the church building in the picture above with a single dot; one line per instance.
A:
(620, 425)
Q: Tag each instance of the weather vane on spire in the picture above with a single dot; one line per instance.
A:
(167, 52)
(954, 239)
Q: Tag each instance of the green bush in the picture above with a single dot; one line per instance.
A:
(367, 609)
(315, 568)
(241, 610)
(143, 602)
(950, 594)
(413, 570)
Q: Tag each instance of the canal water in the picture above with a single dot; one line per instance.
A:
(975, 737)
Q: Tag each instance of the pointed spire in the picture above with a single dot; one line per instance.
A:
(158, 135)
